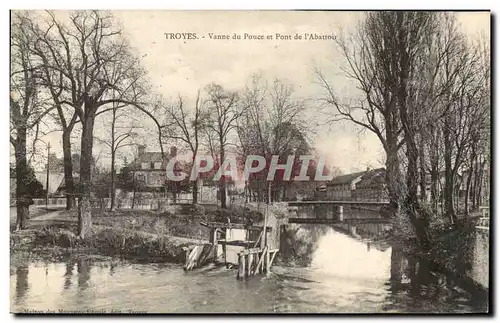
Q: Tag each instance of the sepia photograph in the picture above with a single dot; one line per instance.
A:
(250, 162)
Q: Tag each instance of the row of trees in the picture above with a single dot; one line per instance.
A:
(424, 91)
(79, 66)
(71, 69)
(266, 120)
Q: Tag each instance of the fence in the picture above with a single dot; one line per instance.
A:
(141, 204)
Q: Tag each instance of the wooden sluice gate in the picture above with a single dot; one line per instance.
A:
(255, 261)
(250, 248)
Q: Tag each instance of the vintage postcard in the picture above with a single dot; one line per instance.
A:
(250, 161)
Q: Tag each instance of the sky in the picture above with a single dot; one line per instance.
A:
(178, 66)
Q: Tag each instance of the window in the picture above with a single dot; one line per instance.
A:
(157, 165)
(155, 178)
(140, 177)
(145, 165)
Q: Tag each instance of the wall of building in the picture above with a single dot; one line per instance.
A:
(339, 192)
(481, 259)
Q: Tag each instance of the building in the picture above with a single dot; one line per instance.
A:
(149, 167)
(56, 182)
(371, 187)
(340, 188)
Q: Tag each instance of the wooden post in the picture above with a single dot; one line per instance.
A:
(263, 241)
(241, 266)
(224, 247)
(275, 251)
(268, 263)
(214, 243)
(250, 263)
(258, 267)
(341, 213)
(247, 265)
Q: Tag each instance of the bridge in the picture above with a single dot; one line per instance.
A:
(337, 221)
(338, 203)
(336, 214)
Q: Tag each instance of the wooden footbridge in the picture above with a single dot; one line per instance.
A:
(339, 203)
(335, 214)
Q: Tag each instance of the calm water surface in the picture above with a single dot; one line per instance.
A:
(339, 280)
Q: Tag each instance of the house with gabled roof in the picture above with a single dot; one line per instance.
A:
(340, 188)
(372, 186)
(149, 167)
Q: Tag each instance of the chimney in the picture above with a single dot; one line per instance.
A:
(173, 151)
(141, 149)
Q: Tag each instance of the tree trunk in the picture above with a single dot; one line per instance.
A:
(68, 171)
(434, 188)
(448, 186)
(84, 207)
(22, 180)
(195, 191)
(416, 214)
(480, 183)
(113, 181)
(397, 268)
(434, 161)
(133, 199)
(467, 191)
(222, 183)
(475, 184)
(421, 158)
(392, 175)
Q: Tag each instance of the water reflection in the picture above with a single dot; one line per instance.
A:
(22, 285)
(83, 268)
(68, 274)
(344, 276)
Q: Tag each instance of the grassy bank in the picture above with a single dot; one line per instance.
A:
(130, 234)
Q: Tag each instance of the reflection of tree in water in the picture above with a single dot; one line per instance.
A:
(68, 274)
(83, 273)
(298, 242)
(424, 289)
(22, 285)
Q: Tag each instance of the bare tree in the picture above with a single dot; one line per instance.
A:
(388, 61)
(368, 53)
(273, 123)
(98, 69)
(27, 107)
(420, 91)
(222, 120)
(118, 139)
(186, 125)
(53, 81)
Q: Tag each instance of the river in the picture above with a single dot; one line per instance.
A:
(351, 279)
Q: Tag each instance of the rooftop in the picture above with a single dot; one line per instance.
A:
(345, 179)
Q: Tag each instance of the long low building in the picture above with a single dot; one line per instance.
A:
(368, 185)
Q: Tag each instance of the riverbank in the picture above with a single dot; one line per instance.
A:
(137, 235)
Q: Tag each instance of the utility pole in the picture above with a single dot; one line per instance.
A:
(48, 174)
